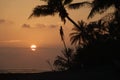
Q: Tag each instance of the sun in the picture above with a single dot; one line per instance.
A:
(33, 47)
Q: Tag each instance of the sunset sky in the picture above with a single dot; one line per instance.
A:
(16, 30)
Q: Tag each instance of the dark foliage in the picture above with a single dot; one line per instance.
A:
(99, 53)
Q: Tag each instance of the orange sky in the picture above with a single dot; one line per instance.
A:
(17, 30)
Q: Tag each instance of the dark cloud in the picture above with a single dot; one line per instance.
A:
(45, 26)
(26, 26)
(40, 26)
(2, 21)
(53, 26)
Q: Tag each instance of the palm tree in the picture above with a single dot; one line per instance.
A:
(62, 37)
(98, 30)
(89, 33)
(51, 66)
(101, 6)
(64, 62)
(56, 6)
(78, 37)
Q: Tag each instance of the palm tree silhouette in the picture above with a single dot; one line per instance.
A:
(78, 37)
(63, 62)
(56, 6)
(62, 37)
(89, 33)
(101, 6)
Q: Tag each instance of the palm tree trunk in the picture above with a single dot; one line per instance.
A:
(64, 45)
(66, 50)
(76, 25)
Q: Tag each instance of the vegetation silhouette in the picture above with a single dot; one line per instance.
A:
(64, 62)
(100, 6)
(92, 39)
(62, 37)
(98, 41)
(90, 32)
(113, 38)
(57, 6)
(103, 48)
(113, 18)
(99, 54)
(78, 36)
(50, 65)
(99, 47)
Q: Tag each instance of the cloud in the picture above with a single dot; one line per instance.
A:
(3, 21)
(11, 41)
(40, 26)
(26, 26)
(45, 26)
(36, 26)
(53, 26)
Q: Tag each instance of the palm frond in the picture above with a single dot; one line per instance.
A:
(78, 5)
(61, 58)
(59, 63)
(42, 10)
(70, 51)
(82, 24)
(76, 29)
(67, 53)
(75, 39)
(74, 33)
(109, 17)
(100, 6)
(67, 2)
(78, 36)
(63, 14)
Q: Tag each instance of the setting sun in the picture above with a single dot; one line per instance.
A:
(33, 47)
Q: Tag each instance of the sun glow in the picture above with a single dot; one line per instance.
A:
(33, 47)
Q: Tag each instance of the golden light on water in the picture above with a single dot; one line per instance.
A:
(33, 47)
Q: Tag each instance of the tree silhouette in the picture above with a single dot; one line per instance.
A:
(78, 37)
(56, 6)
(62, 37)
(98, 31)
(63, 62)
(101, 6)
(51, 66)
(89, 33)
(96, 50)
(104, 37)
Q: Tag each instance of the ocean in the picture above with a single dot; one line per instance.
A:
(24, 60)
